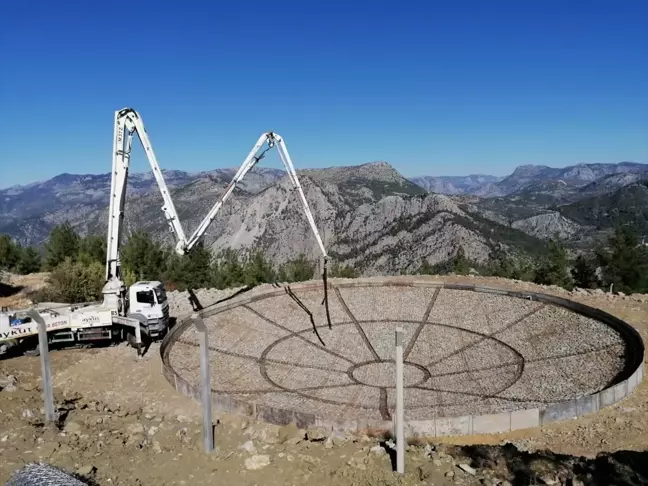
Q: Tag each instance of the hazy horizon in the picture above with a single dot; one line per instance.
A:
(408, 176)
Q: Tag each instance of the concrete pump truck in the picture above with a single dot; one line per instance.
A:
(140, 312)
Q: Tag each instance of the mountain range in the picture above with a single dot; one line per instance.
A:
(538, 178)
(369, 215)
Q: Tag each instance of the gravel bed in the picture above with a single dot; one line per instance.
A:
(475, 354)
(404, 303)
(180, 305)
(478, 312)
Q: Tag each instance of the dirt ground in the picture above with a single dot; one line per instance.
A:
(15, 289)
(122, 423)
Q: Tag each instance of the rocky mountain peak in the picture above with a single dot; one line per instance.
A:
(380, 171)
(529, 170)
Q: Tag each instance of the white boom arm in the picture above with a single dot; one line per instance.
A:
(272, 139)
(128, 121)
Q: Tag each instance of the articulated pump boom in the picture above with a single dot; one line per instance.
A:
(141, 309)
(128, 121)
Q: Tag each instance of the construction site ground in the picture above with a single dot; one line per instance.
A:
(122, 423)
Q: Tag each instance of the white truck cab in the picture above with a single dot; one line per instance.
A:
(149, 299)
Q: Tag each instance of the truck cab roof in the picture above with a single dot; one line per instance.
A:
(147, 284)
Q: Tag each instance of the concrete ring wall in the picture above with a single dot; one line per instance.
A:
(624, 384)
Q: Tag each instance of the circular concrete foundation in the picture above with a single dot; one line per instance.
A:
(477, 359)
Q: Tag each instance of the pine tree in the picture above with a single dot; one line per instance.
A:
(460, 264)
(425, 268)
(142, 257)
(296, 270)
(342, 271)
(75, 282)
(92, 249)
(63, 242)
(523, 270)
(29, 262)
(500, 265)
(193, 270)
(553, 269)
(9, 253)
(584, 273)
(197, 264)
(227, 270)
(258, 270)
(626, 263)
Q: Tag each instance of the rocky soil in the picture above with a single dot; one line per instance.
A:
(119, 422)
(106, 443)
(122, 433)
(15, 290)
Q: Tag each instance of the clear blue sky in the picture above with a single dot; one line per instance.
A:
(436, 87)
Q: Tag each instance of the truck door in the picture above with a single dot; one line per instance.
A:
(144, 302)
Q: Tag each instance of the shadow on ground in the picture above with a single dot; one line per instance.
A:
(7, 290)
(622, 468)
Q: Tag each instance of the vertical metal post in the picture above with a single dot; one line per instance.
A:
(205, 379)
(46, 371)
(138, 339)
(400, 426)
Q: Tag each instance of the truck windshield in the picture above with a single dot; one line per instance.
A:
(161, 295)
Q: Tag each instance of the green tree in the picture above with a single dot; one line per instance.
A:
(553, 269)
(192, 270)
(524, 269)
(626, 263)
(500, 265)
(425, 268)
(584, 273)
(128, 276)
(514, 267)
(342, 271)
(227, 270)
(296, 270)
(9, 253)
(63, 242)
(443, 268)
(460, 264)
(92, 249)
(75, 282)
(258, 270)
(29, 262)
(144, 258)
